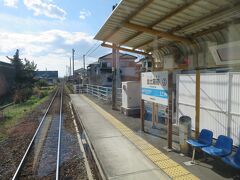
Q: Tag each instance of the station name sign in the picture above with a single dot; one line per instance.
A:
(155, 87)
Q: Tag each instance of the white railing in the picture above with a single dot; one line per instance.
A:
(101, 92)
(119, 96)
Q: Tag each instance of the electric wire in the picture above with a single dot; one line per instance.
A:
(90, 48)
(95, 49)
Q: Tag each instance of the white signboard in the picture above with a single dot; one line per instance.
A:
(155, 87)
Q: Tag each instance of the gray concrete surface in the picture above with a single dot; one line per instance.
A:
(119, 158)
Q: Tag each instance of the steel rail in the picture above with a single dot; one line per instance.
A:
(59, 137)
(33, 138)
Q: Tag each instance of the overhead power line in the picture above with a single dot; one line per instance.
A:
(91, 48)
(94, 49)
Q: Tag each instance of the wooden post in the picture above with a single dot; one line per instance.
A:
(114, 56)
(170, 109)
(153, 114)
(142, 114)
(156, 118)
(197, 104)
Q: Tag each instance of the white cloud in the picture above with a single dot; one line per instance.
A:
(49, 49)
(52, 62)
(10, 3)
(45, 7)
(23, 24)
(84, 13)
(49, 62)
(39, 42)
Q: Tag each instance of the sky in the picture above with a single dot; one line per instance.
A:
(46, 31)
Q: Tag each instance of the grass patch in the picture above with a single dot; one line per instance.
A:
(67, 90)
(13, 114)
(70, 88)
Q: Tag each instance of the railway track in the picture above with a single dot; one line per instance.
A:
(42, 157)
(59, 148)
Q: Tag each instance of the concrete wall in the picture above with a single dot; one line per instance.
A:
(7, 74)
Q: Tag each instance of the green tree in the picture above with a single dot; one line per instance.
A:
(28, 73)
(19, 67)
(24, 76)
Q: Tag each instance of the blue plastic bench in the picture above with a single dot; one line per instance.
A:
(204, 140)
(234, 160)
(222, 148)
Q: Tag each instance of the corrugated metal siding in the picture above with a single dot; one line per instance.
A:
(235, 108)
(140, 39)
(186, 96)
(214, 91)
(201, 15)
(122, 35)
(213, 102)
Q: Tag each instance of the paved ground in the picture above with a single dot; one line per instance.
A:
(100, 124)
(206, 169)
(119, 158)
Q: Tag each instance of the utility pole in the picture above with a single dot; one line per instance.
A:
(84, 75)
(73, 51)
(84, 61)
(66, 71)
(70, 67)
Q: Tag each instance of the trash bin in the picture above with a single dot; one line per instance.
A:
(184, 133)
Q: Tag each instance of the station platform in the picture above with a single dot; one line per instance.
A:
(122, 153)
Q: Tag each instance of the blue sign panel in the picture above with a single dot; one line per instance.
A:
(155, 87)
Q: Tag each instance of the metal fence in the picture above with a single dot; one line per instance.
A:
(119, 97)
(102, 92)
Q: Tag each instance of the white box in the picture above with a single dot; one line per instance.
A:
(131, 94)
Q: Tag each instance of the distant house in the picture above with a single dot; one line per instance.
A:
(7, 76)
(100, 72)
(93, 73)
(146, 64)
(50, 76)
(80, 75)
(80, 72)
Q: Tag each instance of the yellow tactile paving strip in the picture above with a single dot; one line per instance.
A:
(170, 167)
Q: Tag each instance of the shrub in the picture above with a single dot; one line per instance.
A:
(22, 95)
(43, 94)
(36, 92)
(42, 83)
